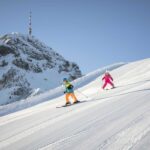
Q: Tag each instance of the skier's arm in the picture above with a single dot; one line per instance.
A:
(70, 86)
(64, 88)
(103, 78)
(111, 77)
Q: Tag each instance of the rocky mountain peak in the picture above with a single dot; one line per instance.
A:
(27, 64)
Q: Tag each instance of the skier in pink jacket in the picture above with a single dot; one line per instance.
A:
(108, 80)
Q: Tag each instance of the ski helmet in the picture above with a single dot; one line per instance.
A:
(64, 79)
(107, 72)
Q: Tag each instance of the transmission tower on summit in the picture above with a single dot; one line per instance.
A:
(30, 23)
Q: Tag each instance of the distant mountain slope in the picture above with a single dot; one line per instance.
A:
(28, 66)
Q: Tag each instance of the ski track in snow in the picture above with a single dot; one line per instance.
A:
(129, 136)
(133, 126)
(117, 119)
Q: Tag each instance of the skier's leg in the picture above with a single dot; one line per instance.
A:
(73, 97)
(111, 84)
(67, 97)
(104, 85)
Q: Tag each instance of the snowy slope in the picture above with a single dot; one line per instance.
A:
(117, 119)
(53, 93)
(29, 67)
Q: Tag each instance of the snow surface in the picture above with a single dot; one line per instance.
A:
(117, 119)
(51, 94)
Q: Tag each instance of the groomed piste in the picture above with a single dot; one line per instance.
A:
(116, 119)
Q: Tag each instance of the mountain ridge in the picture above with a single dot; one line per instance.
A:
(27, 64)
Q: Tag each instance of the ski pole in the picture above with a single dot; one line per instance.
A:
(82, 93)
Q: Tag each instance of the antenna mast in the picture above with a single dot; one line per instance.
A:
(30, 25)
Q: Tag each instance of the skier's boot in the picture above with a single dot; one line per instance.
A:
(113, 87)
(67, 103)
(76, 102)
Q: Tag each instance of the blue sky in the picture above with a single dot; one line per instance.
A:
(92, 33)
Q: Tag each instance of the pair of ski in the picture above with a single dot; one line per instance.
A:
(71, 104)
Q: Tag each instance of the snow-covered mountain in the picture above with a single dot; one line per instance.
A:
(28, 67)
(117, 119)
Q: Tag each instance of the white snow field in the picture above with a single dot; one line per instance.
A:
(52, 93)
(116, 119)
